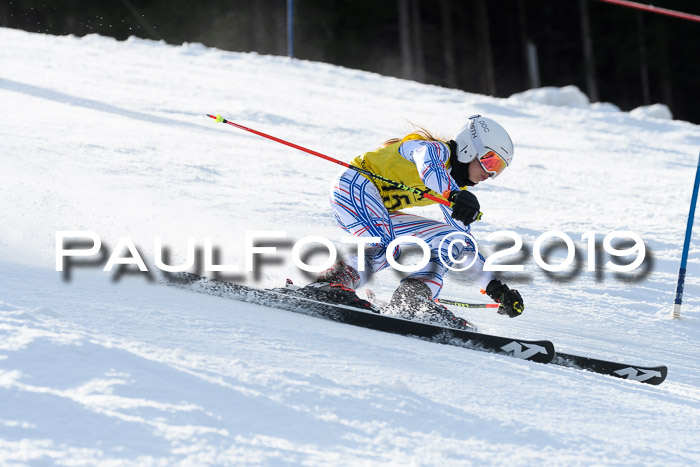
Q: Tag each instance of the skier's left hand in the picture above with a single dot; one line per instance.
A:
(510, 300)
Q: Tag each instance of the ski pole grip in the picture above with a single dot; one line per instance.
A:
(447, 194)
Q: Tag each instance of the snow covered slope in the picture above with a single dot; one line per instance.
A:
(112, 137)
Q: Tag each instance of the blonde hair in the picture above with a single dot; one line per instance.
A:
(418, 130)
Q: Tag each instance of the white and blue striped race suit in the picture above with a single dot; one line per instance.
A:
(359, 209)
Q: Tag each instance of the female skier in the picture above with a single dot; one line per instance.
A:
(363, 206)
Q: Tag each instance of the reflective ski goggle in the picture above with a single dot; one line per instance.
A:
(492, 163)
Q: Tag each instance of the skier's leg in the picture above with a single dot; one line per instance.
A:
(457, 249)
(358, 209)
(416, 293)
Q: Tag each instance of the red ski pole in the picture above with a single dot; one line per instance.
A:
(394, 183)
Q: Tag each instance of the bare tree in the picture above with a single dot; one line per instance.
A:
(489, 75)
(588, 55)
(665, 69)
(416, 27)
(643, 66)
(528, 48)
(448, 40)
(405, 39)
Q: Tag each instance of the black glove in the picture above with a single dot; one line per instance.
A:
(510, 300)
(466, 206)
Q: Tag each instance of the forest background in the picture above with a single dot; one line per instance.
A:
(496, 47)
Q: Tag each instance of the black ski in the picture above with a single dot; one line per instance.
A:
(541, 351)
(643, 374)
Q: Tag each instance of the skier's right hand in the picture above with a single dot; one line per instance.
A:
(510, 300)
(466, 206)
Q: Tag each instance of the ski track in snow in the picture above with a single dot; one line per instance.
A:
(112, 137)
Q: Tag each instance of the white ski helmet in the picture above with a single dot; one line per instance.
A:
(484, 138)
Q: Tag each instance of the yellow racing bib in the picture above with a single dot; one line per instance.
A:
(388, 163)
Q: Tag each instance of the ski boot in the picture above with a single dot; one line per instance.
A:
(335, 293)
(336, 285)
(413, 300)
(341, 274)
